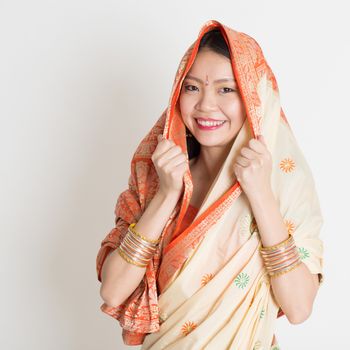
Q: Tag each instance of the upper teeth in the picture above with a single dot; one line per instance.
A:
(207, 123)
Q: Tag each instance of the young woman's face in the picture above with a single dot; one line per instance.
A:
(219, 99)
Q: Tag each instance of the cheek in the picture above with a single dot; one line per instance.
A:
(186, 104)
(185, 109)
(234, 110)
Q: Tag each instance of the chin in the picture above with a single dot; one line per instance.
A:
(210, 141)
(215, 140)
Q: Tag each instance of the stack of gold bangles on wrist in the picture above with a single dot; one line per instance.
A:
(137, 249)
(281, 258)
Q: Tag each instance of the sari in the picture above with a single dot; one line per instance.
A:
(206, 286)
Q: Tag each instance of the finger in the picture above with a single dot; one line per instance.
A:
(160, 137)
(163, 147)
(167, 150)
(249, 153)
(172, 152)
(174, 161)
(237, 171)
(256, 145)
(244, 162)
(262, 139)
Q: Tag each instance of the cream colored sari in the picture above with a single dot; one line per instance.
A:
(208, 288)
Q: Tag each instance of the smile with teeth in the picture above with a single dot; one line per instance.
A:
(209, 125)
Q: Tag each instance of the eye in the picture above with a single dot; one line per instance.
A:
(188, 87)
(230, 90)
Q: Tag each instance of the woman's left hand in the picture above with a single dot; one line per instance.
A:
(253, 167)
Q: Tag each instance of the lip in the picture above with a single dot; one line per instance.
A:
(212, 127)
(210, 119)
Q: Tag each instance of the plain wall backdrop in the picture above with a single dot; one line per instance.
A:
(81, 83)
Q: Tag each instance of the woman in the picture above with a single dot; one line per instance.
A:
(218, 233)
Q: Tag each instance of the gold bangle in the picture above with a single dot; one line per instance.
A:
(278, 251)
(288, 269)
(278, 245)
(127, 259)
(153, 241)
(284, 264)
(136, 253)
(133, 256)
(282, 257)
(144, 250)
(139, 241)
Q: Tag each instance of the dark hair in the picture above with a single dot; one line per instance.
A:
(214, 41)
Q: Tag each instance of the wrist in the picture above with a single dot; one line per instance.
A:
(261, 196)
(168, 195)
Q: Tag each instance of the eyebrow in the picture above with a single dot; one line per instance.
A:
(215, 81)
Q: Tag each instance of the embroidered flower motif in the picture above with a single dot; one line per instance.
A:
(262, 313)
(245, 225)
(290, 226)
(287, 165)
(206, 278)
(257, 345)
(248, 226)
(303, 253)
(241, 280)
(188, 327)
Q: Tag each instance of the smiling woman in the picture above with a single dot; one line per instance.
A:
(210, 103)
(218, 233)
(217, 100)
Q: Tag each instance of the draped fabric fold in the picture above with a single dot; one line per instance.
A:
(206, 286)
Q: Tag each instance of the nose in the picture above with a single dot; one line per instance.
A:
(207, 101)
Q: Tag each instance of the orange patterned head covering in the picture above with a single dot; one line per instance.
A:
(291, 180)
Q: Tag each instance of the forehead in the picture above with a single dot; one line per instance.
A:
(210, 63)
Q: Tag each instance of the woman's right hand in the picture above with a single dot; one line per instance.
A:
(171, 164)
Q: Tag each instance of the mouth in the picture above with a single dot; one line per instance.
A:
(209, 124)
